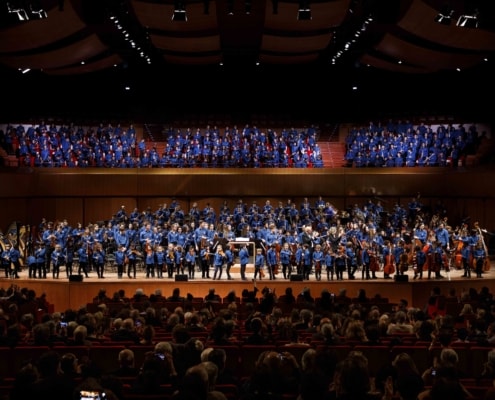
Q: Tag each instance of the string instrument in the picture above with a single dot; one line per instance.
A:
(486, 261)
(458, 246)
(148, 249)
(389, 267)
(318, 266)
(278, 247)
(374, 264)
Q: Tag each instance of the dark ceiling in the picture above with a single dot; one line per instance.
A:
(393, 51)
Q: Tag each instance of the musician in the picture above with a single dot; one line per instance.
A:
(243, 260)
(329, 262)
(159, 261)
(69, 251)
(479, 257)
(271, 260)
(190, 259)
(39, 254)
(340, 262)
(49, 239)
(179, 259)
(285, 256)
(6, 263)
(467, 252)
(204, 256)
(120, 256)
(442, 235)
(365, 261)
(15, 256)
(132, 256)
(352, 260)
(259, 264)
(219, 260)
(398, 250)
(318, 261)
(306, 260)
(98, 257)
(83, 254)
(419, 260)
(58, 259)
(307, 237)
(421, 233)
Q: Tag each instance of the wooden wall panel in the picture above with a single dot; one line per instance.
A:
(96, 194)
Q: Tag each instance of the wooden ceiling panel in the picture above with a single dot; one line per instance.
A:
(324, 15)
(292, 59)
(194, 60)
(382, 64)
(284, 44)
(159, 17)
(41, 32)
(420, 21)
(411, 54)
(105, 63)
(187, 45)
(69, 55)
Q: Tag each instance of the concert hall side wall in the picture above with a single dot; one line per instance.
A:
(90, 195)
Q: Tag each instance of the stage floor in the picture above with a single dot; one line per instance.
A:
(66, 294)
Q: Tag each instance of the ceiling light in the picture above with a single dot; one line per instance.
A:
(443, 19)
(304, 12)
(468, 21)
(179, 14)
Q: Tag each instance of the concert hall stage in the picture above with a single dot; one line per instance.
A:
(64, 294)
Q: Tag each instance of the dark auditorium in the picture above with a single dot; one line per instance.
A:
(247, 200)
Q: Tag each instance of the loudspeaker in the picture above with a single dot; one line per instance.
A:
(296, 278)
(76, 278)
(181, 278)
(401, 278)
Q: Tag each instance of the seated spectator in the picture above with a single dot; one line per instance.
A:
(212, 297)
(126, 367)
(176, 296)
(127, 332)
(489, 366)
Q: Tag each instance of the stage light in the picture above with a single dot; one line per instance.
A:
(179, 14)
(304, 12)
(468, 21)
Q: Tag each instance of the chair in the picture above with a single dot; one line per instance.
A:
(21, 354)
(79, 351)
(249, 355)
(140, 352)
(378, 357)
(419, 354)
(297, 350)
(230, 391)
(233, 363)
(106, 357)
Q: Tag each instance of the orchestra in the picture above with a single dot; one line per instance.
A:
(305, 239)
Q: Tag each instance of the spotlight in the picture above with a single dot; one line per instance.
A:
(22, 15)
(468, 21)
(304, 12)
(444, 19)
(179, 11)
(179, 16)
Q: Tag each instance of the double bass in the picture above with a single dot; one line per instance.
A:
(389, 267)
(486, 261)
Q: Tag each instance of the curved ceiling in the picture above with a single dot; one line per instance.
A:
(85, 37)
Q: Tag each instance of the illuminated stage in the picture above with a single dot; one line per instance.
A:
(64, 294)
